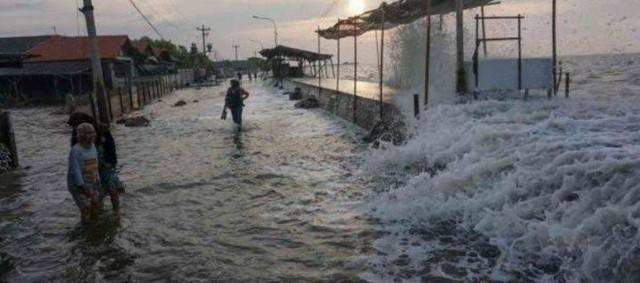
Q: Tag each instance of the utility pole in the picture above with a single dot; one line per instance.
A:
(96, 64)
(205, 32)
(236, 48)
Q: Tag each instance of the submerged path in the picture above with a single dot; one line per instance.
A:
(273, 203)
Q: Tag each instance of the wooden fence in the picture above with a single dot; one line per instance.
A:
(141, 92)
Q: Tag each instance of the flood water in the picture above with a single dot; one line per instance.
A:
(276, 202)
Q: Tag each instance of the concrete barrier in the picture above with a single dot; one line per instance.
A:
(366, 113)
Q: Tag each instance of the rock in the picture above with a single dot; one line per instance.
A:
(296, 94)
(310, 102)
(196, 101)
(134, 122)
(180, 103)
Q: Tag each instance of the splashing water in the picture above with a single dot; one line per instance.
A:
(515, 190)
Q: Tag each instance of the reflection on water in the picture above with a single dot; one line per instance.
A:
(274, 202)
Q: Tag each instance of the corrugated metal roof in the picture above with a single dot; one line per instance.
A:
(47, 69)
(20, 45)
(391, 15)
(290, 52)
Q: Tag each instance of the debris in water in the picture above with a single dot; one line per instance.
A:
(180, 103)
(133, 122)
(308, 103)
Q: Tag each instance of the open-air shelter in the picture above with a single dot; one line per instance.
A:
(284, 53)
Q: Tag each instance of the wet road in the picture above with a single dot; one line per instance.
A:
(276, 202)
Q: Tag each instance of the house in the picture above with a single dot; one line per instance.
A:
(59, 65)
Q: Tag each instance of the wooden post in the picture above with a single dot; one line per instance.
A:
(333, 68)
(355, 76)
(381, 83)
(460, 73)
(320, 73)
(519, 52)
(416, 105)
(567, 82)
(122, 109)
(475, 54)
(427, 75)
(109, 102)
(130, 92)
(554, 44)
(339, 63)
(7, 137)
(145, 88)
(484, 31)
(138, 92)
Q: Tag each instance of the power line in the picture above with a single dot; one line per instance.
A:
(146, 19)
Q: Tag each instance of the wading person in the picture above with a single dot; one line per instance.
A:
(108, 163)
(234, 100)
(83, 180)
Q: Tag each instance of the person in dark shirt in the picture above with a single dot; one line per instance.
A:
(234, 100)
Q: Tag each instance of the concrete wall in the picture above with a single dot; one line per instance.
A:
(367, 111)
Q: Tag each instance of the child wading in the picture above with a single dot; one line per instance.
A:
(235, 102)
(83, 180)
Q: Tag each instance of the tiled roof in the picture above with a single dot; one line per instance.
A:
(62, 48)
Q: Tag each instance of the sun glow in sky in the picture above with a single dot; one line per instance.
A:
(356, 6)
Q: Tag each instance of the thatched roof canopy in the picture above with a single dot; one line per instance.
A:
(397, 13)
(293, 53)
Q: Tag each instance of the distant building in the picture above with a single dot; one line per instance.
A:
(54, 66)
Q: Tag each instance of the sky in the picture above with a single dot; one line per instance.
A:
(585, 26)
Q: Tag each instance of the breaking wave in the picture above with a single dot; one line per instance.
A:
(505, 189)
